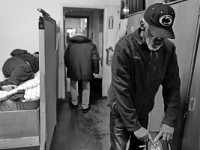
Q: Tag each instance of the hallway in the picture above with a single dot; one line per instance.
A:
(76, 130)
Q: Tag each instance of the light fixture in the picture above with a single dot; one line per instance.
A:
(124, 9)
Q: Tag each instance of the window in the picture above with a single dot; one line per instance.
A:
(136, 5)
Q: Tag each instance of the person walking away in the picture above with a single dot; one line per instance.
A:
(82, 61)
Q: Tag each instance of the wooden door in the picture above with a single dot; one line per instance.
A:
(48, 77)
(191, 133)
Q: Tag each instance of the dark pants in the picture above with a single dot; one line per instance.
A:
(119, 135)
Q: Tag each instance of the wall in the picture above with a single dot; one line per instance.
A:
(111, 35)
(82, 14)
(19, 26)
(134, 21)
(72, 23)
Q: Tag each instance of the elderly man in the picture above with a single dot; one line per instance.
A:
(143, 61)
(81, 60)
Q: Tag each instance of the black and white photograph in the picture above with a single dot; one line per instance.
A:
(99, 75)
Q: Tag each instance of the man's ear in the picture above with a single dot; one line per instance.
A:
(142, 26)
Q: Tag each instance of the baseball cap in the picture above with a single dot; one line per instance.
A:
(160, 17)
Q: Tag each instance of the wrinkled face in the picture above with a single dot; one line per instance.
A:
(153, 43)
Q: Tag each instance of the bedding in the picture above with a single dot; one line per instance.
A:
(25, 94)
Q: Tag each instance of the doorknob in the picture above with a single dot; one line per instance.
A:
(192, 104)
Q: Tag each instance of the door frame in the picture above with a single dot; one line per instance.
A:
(61, 52)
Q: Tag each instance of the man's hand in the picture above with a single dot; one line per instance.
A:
(166, 132)
(143, 134)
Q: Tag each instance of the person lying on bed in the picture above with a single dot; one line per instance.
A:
(20, 67)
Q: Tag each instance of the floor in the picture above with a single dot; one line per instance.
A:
(76, 130)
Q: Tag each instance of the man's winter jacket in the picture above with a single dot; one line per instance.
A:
(27, 57)
(81, 59)
(20, 67)
(137, 74)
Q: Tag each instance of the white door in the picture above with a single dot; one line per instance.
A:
(191, 132)
(48, 80)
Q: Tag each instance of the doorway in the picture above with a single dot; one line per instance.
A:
(92, 20)
(71, 23)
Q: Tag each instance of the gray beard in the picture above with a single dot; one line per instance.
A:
(152, 48)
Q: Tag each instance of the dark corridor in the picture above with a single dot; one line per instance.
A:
(76, 130)
(95, 89)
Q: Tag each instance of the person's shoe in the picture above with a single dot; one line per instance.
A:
(72, 105)
(86, 109)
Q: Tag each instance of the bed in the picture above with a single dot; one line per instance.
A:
(26, 96)
(31, 122)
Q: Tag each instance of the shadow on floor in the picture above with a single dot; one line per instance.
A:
(76, 130)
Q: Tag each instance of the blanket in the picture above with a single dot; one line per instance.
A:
(31, 87)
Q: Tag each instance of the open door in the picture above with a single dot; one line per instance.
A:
(92, 21)
(191, 124)
(48, 78)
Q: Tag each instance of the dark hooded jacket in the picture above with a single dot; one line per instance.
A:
(81, 59)
(20, 67)
(137, 74)
(24, 55)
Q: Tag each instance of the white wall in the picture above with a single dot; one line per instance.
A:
(19, 26)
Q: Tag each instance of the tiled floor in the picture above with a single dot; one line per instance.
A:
(82, 131)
